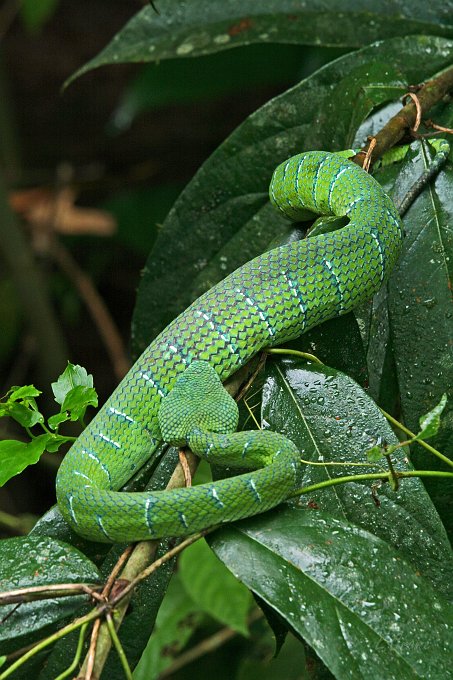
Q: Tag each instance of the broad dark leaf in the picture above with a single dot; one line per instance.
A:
(364, 610)
(223, 217)
(38, 561)
(331, 419)
(189, 29)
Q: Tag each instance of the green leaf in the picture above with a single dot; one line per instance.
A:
(16, 393)
(78, 399)
(57, 419)
(420, 310)
(349, 594)
(55, 441)
(15, 456)
(202, 26)
(24, 415)
(32, 561)
(430, 422)
(331, 419)
(223, 217)
(213, 588)
(375, 454)
(179, 81)
(178, 617)
(72, 376)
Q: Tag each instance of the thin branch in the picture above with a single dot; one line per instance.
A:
(32, 292)
(386, 477)
(142, 555)
(118, 646)
(159, 562)
(206, 646)
(429, 94)
(425, 445)
(45, 592)
(96, 306)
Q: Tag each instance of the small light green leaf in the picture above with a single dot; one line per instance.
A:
(23, 392)
(2, 660)
(213, 587)
(72, 376)
(430, 422)
(78, 399)
(57, 419)
(55, 441)
(375, 453)
(15, 456)
(24, 415)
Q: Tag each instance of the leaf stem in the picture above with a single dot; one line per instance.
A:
(118, 646)
(77, 655)
(294, 352)
(428, 447)
(372, 475)
(77, 623)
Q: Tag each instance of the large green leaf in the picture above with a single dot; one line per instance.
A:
(421, 314)
(331, 419)
(223, 217)
(196, 27)
(212, 587)
(364, 610)
(177, 619)
(179, 81)
(39, 561)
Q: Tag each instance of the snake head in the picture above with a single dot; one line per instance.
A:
(197, 402)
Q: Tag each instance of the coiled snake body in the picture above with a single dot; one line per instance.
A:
(174, 391)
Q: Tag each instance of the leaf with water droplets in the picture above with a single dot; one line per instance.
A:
(188, 29)
(421, 311)
(39, 561)
(363, 609)
(223, 218)
(332, 420)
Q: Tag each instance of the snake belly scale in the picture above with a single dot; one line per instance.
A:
(271, 299)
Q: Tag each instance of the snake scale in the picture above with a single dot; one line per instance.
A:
(174, 392)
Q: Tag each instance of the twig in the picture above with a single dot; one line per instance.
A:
(18, 525)
(206, 646)
(74, 625)
(158, 563)
(365, 477)
(44, 592)
(87, 671)
(142, 555)
(96, 306)
(118, 646)
(429, 94)
(418, 109)
(427, 446)
(185, 467)
(77, 655)
(51, 346)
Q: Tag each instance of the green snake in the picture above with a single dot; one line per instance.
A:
(174, 391)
